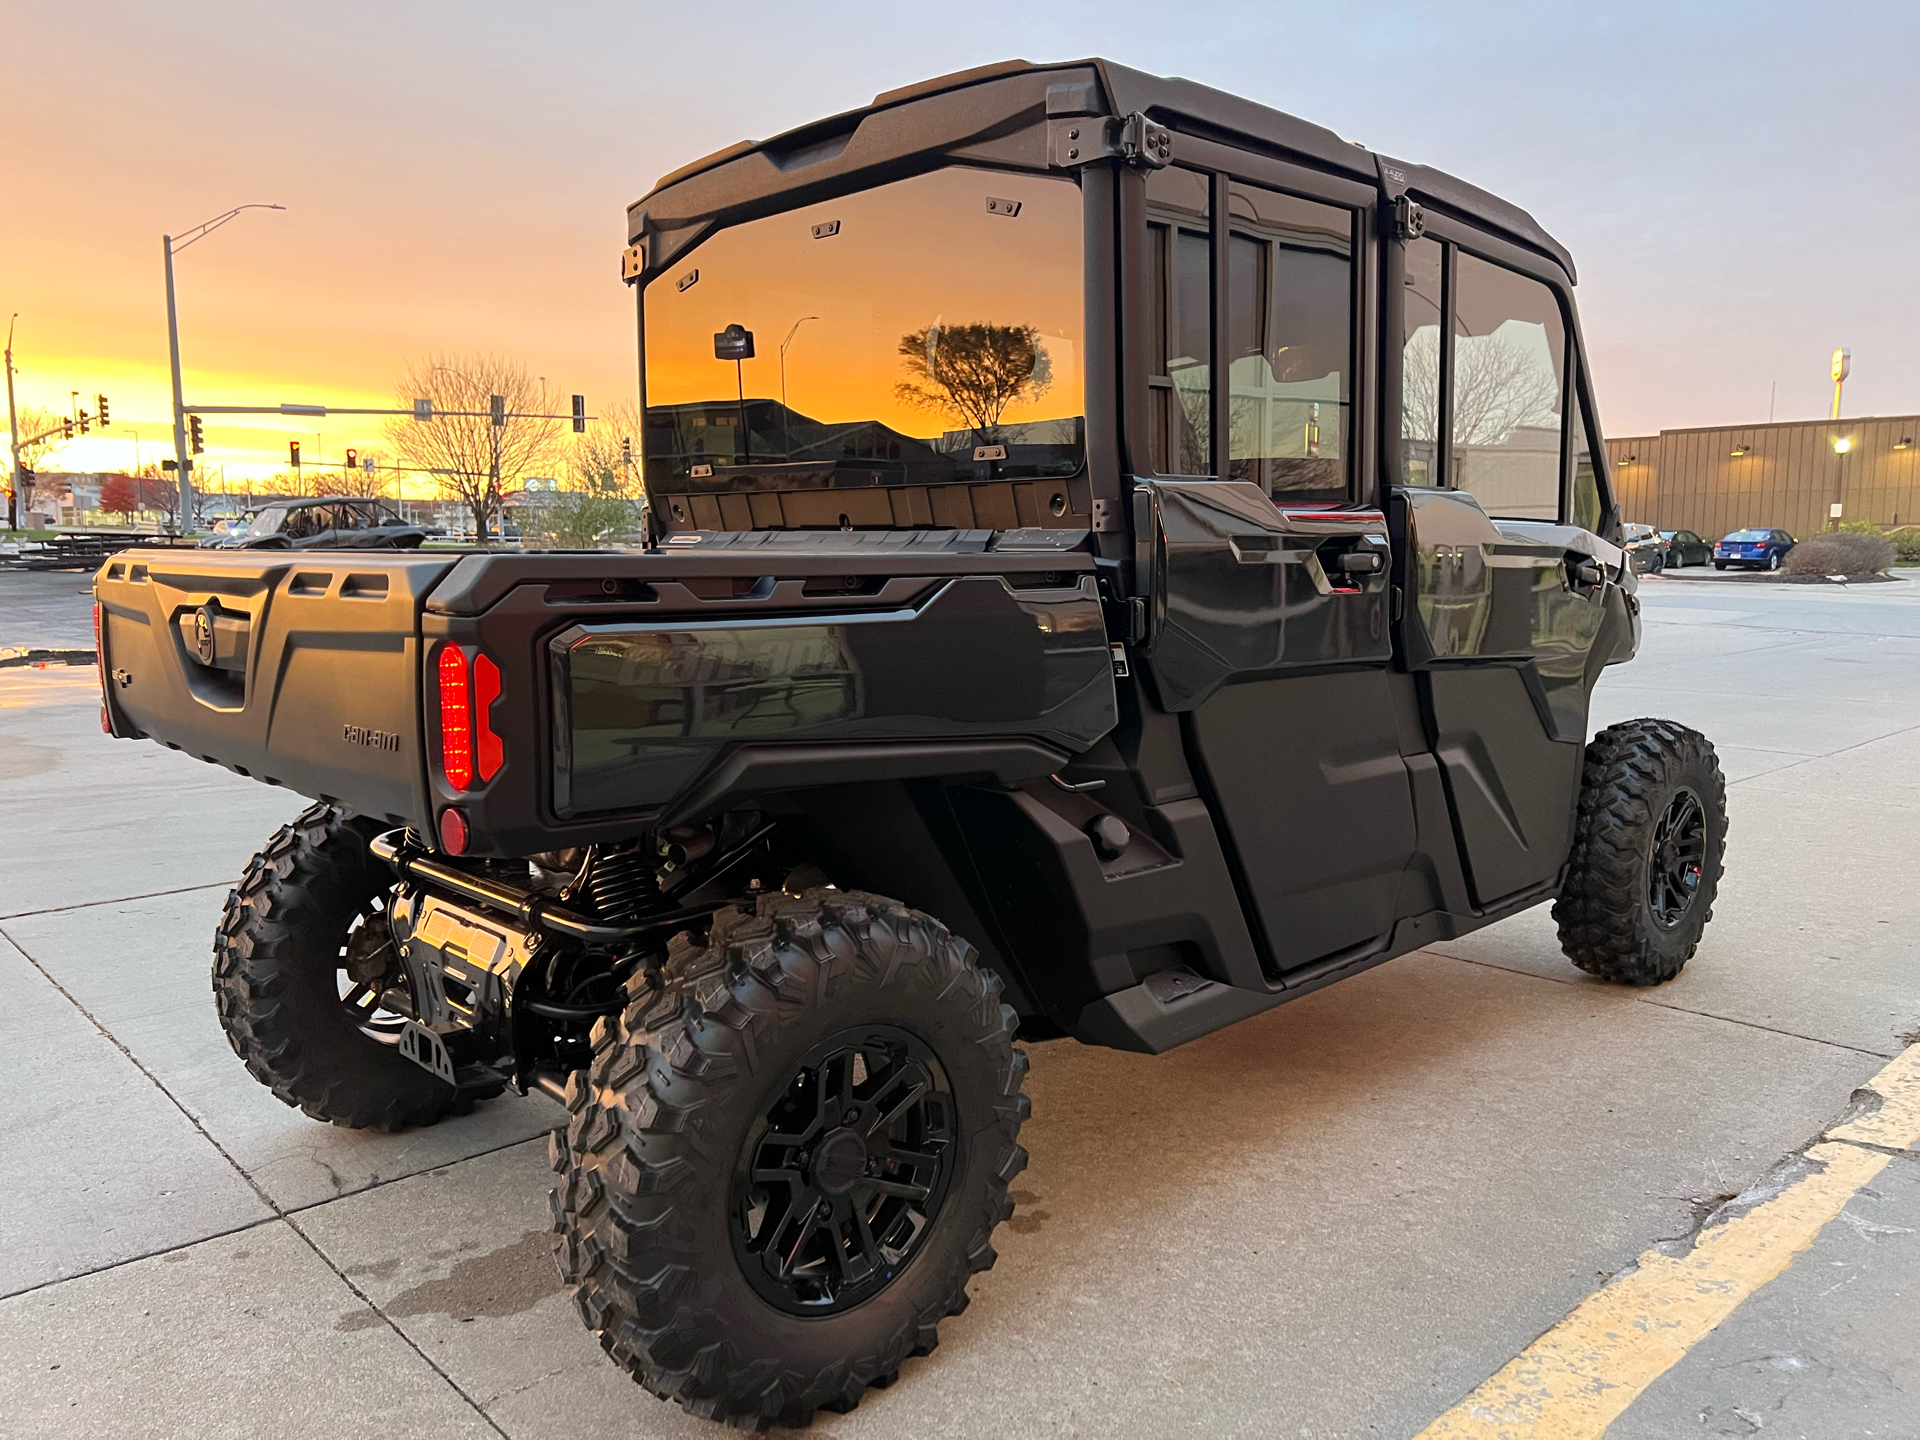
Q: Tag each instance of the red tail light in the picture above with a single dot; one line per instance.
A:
(456, 718)
(488, 752)
(470, 751)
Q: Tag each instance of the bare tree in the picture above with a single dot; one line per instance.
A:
(40, 436)
(600, 501)
(973, 372)
(1498, 387)
(606, 459)
(357, 481)
(465, 454)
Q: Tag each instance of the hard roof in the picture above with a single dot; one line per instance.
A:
(1179, 104)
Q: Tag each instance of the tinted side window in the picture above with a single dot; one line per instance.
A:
(1509, 352)
(1182, 380)
(1290, 343)
(1585, 509)
(1420, 366)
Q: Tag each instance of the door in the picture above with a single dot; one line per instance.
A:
(1504, 580)
(1270, 629)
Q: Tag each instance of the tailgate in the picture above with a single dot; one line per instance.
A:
(299, 670)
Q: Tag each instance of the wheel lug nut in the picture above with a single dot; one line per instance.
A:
(853, 1114)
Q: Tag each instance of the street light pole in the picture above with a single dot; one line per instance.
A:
(180, 457)
(785, 429)
(179, 401)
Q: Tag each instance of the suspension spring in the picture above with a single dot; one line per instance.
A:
(621, 883)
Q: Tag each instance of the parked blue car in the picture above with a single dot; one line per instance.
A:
(1761, 549)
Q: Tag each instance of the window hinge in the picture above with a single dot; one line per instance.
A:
(1409, 219)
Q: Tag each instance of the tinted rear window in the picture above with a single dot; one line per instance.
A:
(1749, 535)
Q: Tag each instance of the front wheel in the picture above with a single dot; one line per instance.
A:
(785, 1163)
(1647, 848)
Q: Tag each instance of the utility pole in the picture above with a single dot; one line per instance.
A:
(1842, 366)
(13, 430)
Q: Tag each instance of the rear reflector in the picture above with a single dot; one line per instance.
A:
(453, 831)
(456, 722)
(488, 752)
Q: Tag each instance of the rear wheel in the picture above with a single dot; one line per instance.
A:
(1773, 560)
(301, 962)
(1646, 853)
(781, 1171)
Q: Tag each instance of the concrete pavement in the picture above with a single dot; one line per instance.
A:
(1334, 1220)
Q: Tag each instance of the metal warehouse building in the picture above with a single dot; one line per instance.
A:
(1788, 474)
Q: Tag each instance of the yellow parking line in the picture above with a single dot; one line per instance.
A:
(1575, 1380)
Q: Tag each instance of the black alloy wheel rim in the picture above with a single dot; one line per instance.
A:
(842, 1178)
(1679, 851)
(369, 971)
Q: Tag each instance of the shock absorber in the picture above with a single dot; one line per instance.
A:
(620, 884)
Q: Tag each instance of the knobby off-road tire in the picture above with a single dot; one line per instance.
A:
(1647, 851)
(276, 967)
(671, 1122)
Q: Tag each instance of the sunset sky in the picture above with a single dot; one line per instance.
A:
(1737, 182)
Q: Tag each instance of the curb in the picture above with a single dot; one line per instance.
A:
(14, 655)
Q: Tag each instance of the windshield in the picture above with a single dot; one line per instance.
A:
(267, 522)
(924, 331)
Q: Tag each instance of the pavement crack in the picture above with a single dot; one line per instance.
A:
(118, 900)
(1669, 1005)
(163, 1250)
(279, 1213)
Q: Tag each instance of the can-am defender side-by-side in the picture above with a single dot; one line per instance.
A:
(1124, 559)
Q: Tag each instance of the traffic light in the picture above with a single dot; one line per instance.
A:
(353, 458)
(196, 436)
(626, 450)
(579, 414)
(293, 453)
(498, 407)
(100, 401)
(66, 429)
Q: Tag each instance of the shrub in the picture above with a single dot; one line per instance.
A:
(1906, 545)
(1842, 554)
(582, 520)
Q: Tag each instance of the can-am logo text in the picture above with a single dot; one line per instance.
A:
(372, 739)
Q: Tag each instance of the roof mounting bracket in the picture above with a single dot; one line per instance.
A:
(1133, 139)
(1409, 219)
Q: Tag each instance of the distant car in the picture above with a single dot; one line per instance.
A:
(1754, 549)
(329, 522)
(1683, 548)
(1646, 551)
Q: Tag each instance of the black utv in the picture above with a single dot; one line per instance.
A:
(1125, 558)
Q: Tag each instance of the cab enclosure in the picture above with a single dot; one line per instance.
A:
(1166, 542)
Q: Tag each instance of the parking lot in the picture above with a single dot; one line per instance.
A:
(1336, 1219)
